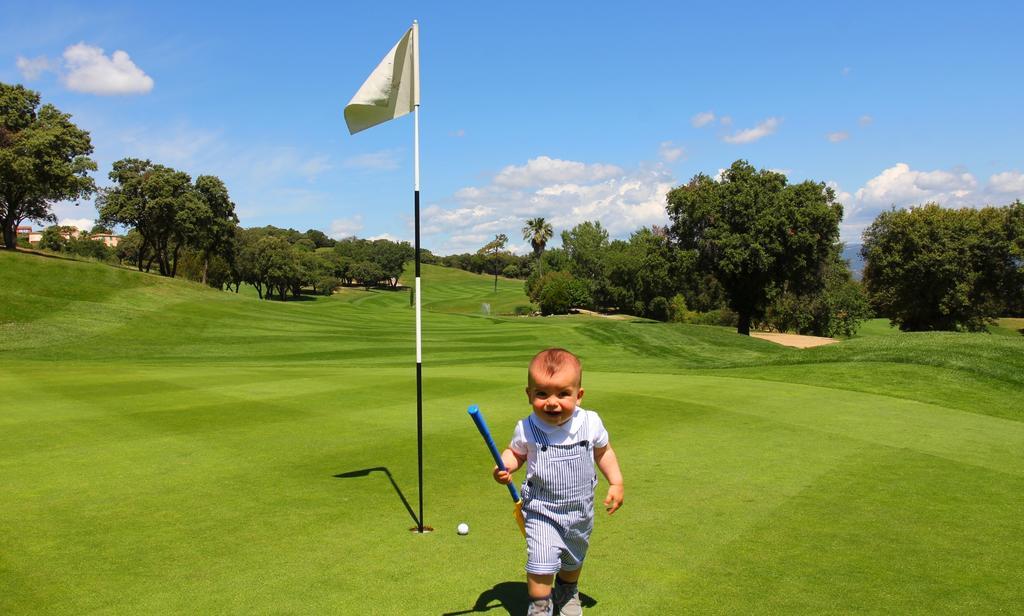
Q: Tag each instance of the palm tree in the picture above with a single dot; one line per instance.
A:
(538, 231)
(494, 247)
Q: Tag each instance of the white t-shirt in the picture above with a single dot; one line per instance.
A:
(584, 425)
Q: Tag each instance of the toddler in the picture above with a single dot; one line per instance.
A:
(559, 442)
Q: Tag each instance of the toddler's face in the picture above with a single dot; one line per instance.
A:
(554, 397)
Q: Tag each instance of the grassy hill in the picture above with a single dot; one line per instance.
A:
(169, 448)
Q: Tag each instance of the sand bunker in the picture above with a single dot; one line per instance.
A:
(793, 340)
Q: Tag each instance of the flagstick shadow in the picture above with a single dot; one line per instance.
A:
(366, 471)
(510, 596)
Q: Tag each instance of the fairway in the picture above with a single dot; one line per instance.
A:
(166, 448)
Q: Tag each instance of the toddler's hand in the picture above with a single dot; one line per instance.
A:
(502, 477)
(614, 499)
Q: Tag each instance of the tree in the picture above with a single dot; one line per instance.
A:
(586, 245)
(836, 309)
(246, 256)
(319, 238)
(391, 258)
(215, 237)
(158, 201)
(494, 248)
(56, 238)
(755, 233)
(538, 231)
(275, 265)
(43, 159)
(388, 259)
(128, 248)
(1015, 273)
(639, 272)
(933, 268)
(558, 292)
(367, 272)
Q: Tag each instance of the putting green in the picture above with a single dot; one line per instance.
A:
(169, 449)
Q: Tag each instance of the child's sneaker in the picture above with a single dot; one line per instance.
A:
(567, 600)
(541, 607)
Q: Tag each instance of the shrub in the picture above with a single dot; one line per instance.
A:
(659, 309)
(721, 316)
(53, 240)
(522, 310)
(678, 312)
(555, 295)
(837, 309)
(326, 285)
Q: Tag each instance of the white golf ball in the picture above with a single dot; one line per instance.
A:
(463, 529)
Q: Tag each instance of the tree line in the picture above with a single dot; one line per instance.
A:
(285, 263)
(747, 249)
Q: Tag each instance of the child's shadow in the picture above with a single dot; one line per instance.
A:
(512, 597)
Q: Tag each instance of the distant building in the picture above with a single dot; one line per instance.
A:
(109, 239)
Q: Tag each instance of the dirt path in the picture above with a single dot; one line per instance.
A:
(793, 340)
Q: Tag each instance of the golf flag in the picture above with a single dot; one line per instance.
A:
(392, 89)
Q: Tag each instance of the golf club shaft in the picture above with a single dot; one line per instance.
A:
(481, 425)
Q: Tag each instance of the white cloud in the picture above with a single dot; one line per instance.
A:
(32, 68)
(92, 72)
(865, 120)
(669, 152)
(545, 170)
(837, 136)
(841, 195)
(846, 71)
(1008, 183)
(622, 202)
(438, 220)
(386, 160)
(702, 119)
(750, 135)
(458, 133)
(82, 224)
(725, 121)
(900, 185)
(346, 227)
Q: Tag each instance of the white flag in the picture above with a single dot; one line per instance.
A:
(391, 90)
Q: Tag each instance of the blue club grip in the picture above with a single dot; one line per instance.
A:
(481, 425)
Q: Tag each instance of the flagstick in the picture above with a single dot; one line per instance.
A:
(419, 326)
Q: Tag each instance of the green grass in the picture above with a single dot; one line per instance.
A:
(166, 448)
(876, 327)
(1008, 326)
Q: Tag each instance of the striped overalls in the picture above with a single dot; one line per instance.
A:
(558, 501)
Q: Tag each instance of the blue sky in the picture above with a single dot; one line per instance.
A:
(581, 111)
